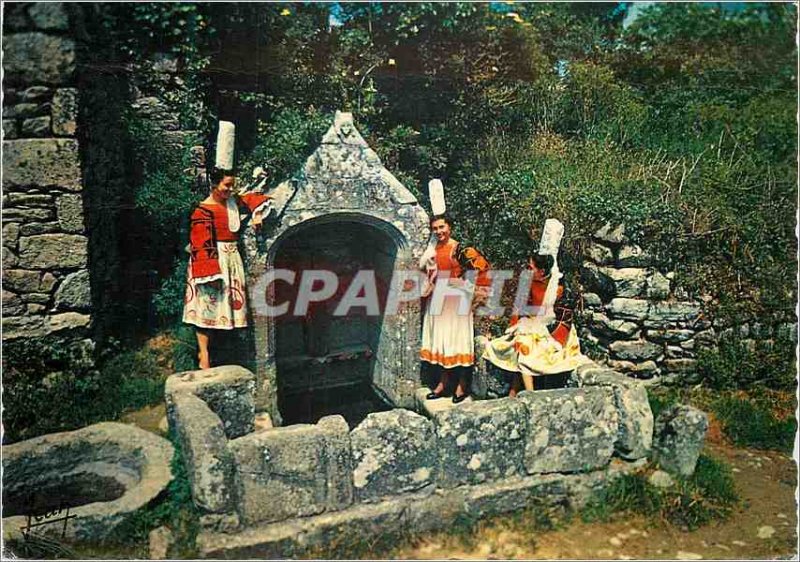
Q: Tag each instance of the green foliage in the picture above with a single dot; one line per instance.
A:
(751, 423)
(285, 142)
(629, 493)
(734, 365)
(660, 401)
(165, 192)
(168, 300)
(185, 348)
(708, 495)
(178, 35)
(165, 197)
(763, 419)
(594, 185)
(51, 385)
(681, 125)
(597, 104)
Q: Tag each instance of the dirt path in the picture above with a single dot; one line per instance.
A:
(766, 482)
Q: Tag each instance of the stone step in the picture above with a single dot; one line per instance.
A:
(431, 408)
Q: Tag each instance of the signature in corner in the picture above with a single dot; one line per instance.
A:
(48, 518)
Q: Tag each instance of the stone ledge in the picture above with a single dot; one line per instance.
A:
(295, 470)
(394, 452)
(570, 429)
(228, 390)
(412, 513)
(431, 408)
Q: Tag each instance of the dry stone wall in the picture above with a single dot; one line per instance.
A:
(642, 325)
(69, 240)
(46, 286)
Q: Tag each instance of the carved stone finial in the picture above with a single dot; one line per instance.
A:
(343, 131)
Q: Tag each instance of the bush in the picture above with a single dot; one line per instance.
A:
(709, 494)
(53, 385)
(751, 423)
(169, 299)
(660, 400)
(733, 365)
(284, 142)
(184, 350)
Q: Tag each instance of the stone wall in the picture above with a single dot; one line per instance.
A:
(640, 324)
(46, 287)
(550, 446)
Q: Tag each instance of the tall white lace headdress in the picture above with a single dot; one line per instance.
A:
(549, 244)
(226, 139)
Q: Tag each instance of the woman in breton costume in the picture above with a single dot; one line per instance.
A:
(542, 348)
(447, 336)
(216, 296)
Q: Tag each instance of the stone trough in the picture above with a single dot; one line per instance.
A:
(98, 476)
(278, 491)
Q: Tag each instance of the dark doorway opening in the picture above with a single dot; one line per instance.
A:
(325, 362)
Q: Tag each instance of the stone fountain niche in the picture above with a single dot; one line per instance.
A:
(343, 212)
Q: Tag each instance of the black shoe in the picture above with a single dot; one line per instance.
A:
(433, 396)
(460, 399)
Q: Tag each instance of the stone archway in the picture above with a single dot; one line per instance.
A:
(343, 187)
(326, 362)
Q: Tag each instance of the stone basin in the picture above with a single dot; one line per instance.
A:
(98, 476)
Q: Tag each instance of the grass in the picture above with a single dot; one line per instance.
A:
(750, 423)
(708, 495)
(38, 547)
(758, 418)
(52, 386)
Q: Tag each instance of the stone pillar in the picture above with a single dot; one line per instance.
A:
(46, 286)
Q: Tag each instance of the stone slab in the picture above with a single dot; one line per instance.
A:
(41, 163)
(293, 471)
(208, 461)
(49, 16)
(635, 434)
(228, 390)
(65, 111)
(635, 350)
(74, 293)
(481, 441)
(394, 452)
(53, 251)
(570, 429)
(405, 515)
(679, 435)
(38, 58)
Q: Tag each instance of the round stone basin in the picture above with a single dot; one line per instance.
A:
(82, 484)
